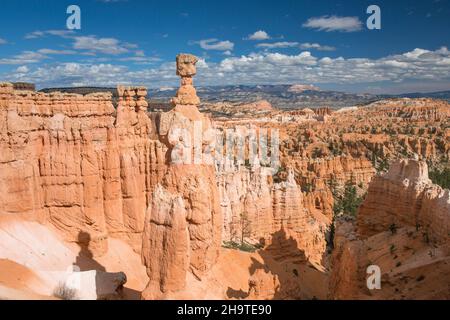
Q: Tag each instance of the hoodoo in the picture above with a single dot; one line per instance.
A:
(183, 224)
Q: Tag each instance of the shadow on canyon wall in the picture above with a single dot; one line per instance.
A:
(85, 261)
(282, 259)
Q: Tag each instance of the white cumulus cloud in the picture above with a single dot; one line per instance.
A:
(316, 46)
(258, 35)
(288, 44)
(277, 45)
(22, 69)
(334, 23)
(57, 52)
(39, 34)
(428, 67)
(215, 44)
(104, 45)
(25, 57)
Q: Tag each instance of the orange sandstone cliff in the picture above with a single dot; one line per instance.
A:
(403, 227)
(67, 160)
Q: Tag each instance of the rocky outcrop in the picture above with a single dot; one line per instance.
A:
(402, 229)
(405, 196)
(166, 244)
(257, 209)
(348, 264)
(340, 170)
(186, 94)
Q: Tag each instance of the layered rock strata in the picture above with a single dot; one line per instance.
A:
(255, 208)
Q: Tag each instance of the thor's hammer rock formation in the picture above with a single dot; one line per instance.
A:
(183, 224)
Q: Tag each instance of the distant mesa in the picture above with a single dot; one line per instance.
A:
(298, 88)
(261, 105)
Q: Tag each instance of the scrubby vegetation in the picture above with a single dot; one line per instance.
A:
(247, 247)
(64, 292)
(279, 176)
(347, 202)
(440, 177)
(241, 231)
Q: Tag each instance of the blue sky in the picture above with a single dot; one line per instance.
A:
(325, 43)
